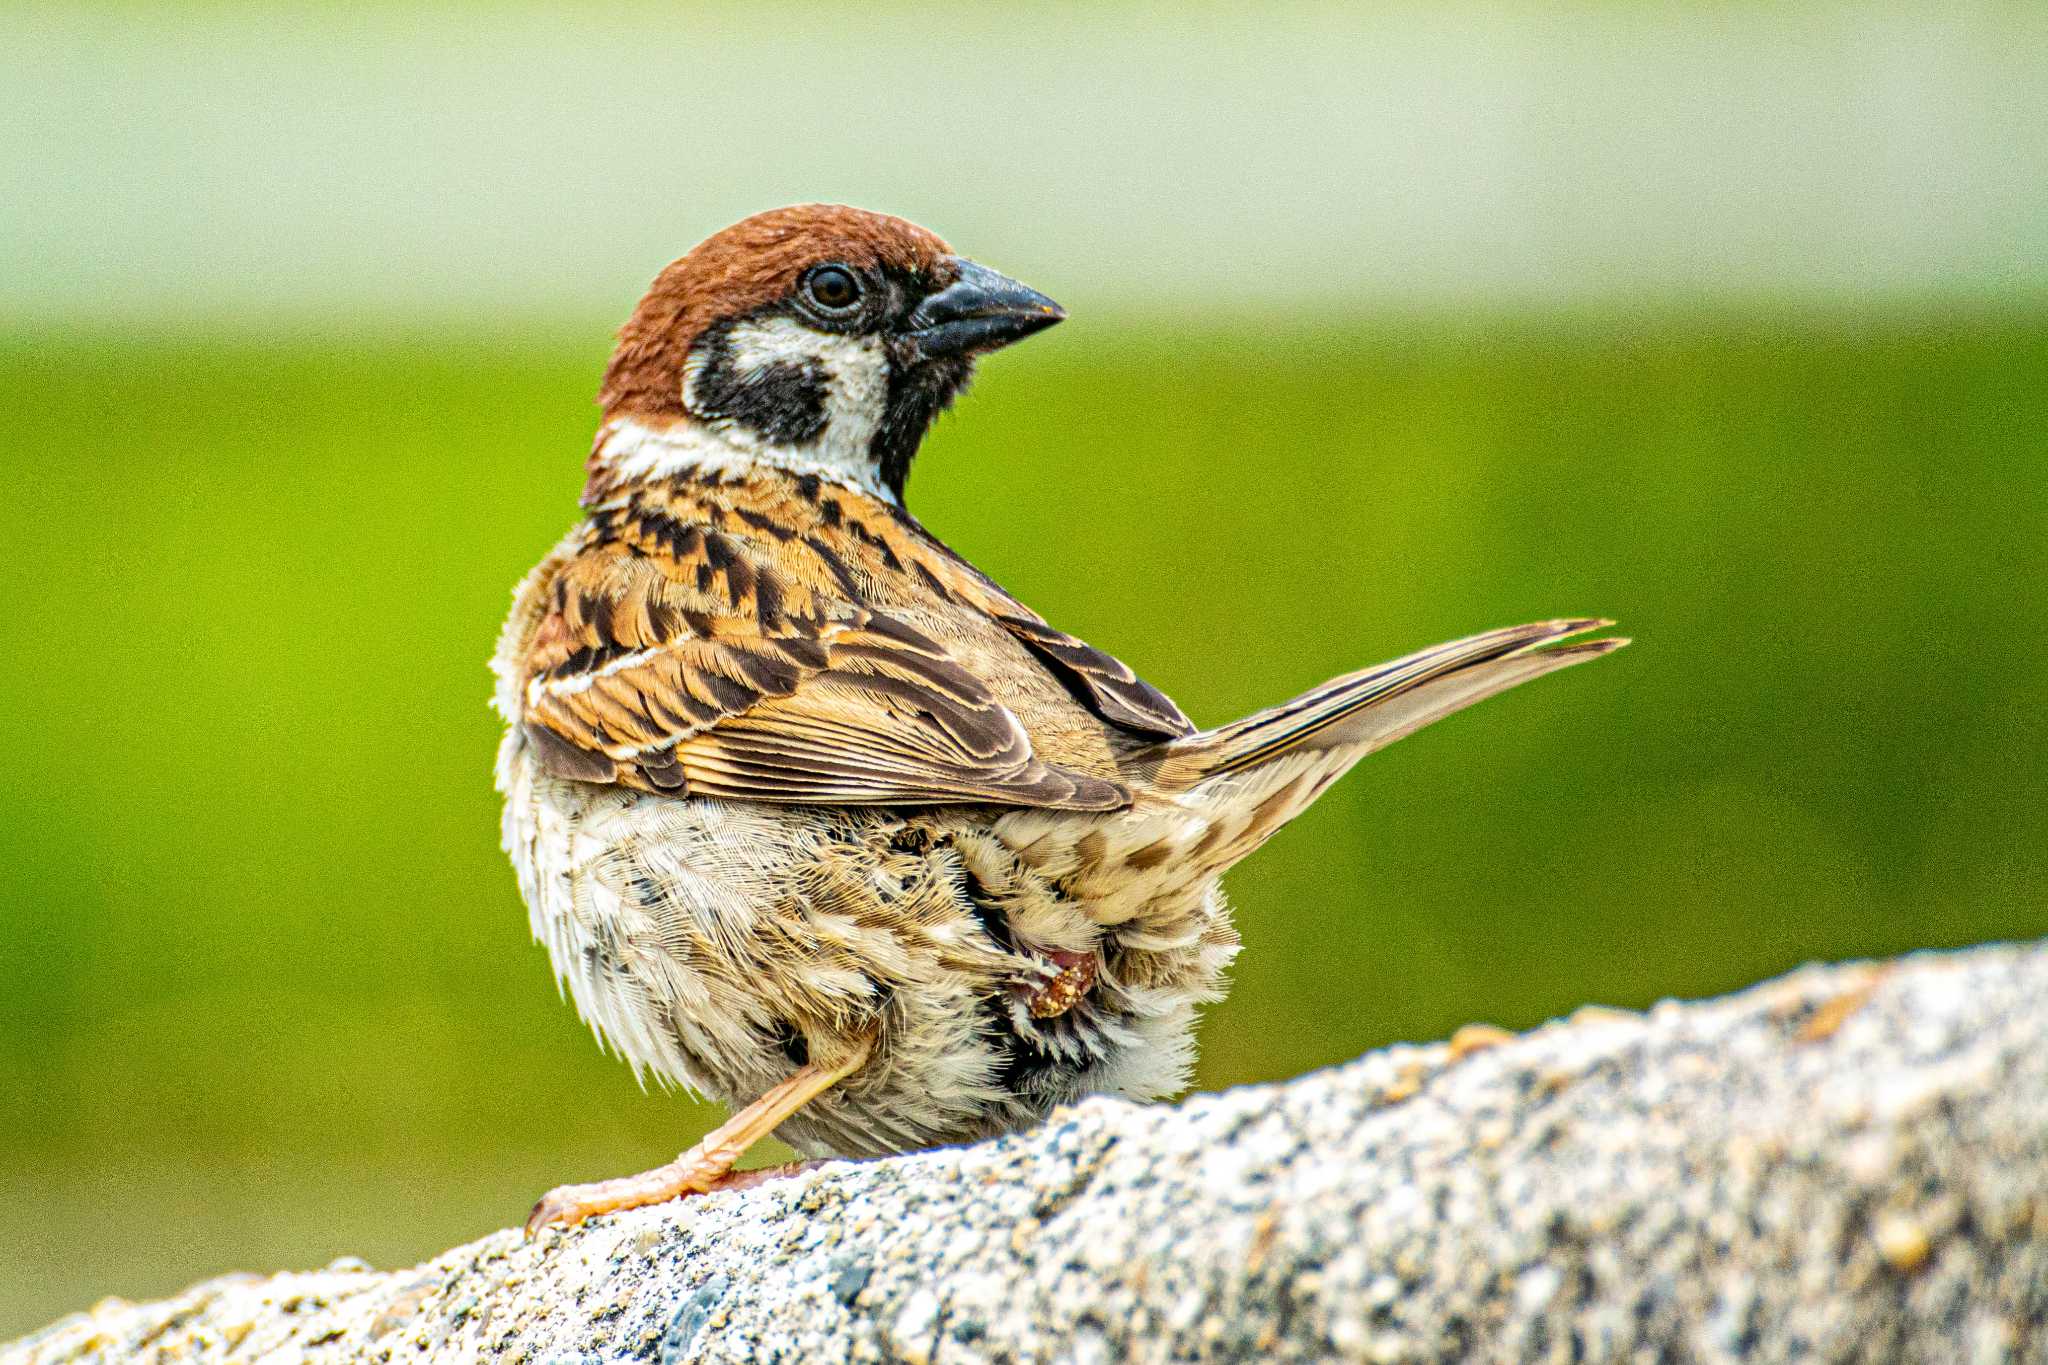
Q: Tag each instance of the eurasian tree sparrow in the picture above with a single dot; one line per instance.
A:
(812, 816)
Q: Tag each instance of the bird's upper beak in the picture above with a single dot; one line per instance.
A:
(980, 311)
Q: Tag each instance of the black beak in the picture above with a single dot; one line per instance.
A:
(979, 311)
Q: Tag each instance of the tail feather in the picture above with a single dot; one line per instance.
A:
(1209, 799)
(1367, 710)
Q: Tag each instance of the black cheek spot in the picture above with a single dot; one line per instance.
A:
(783, 402)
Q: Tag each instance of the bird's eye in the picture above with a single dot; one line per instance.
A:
(833, 288)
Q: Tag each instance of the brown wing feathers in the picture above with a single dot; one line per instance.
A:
(1102, 682)
(1106, 683)
(676, 657)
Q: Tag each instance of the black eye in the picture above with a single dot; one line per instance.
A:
(833, 288)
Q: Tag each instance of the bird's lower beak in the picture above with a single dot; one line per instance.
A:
(980, 311)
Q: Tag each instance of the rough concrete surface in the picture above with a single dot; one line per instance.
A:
(1850, 1163)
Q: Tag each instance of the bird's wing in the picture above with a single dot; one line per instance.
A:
(1103, 683)
(701, 669)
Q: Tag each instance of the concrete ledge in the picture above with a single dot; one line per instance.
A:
(1849, 1163)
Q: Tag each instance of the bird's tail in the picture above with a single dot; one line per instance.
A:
(1370, 709)
(1211, 798)
(1260, 772)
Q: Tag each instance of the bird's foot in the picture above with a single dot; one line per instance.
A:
(708, 1165)
(694, 1172)
(569, 1205)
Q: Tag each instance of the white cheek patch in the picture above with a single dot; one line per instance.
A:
(856, 371)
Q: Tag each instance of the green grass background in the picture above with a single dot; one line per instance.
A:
(268, 996)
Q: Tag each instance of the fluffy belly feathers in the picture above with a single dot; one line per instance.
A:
(722, 944)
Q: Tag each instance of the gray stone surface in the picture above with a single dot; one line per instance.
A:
(1850, 1163)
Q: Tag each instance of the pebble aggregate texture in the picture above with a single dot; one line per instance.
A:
(1847, 1164)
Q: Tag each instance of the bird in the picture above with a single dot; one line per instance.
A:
(813, 817)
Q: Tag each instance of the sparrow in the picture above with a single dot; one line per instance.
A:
(813, 817)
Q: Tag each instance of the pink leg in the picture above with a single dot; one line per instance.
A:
(702, 1169)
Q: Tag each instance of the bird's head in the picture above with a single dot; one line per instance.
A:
(818, 338)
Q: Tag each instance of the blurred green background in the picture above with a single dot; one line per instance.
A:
(1388, 326)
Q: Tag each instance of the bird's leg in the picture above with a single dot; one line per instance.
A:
(705, 1167)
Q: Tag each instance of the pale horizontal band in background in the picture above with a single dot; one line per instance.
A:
(242, 164)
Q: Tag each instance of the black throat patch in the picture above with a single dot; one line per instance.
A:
(917, 395)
